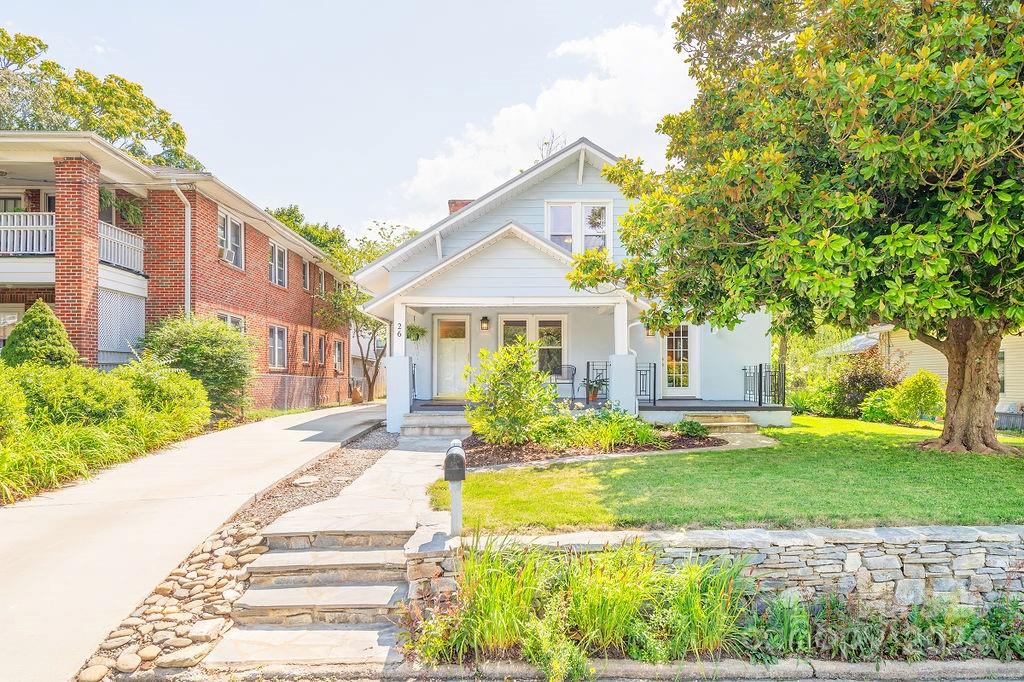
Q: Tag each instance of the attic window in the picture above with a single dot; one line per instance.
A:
(577, 226)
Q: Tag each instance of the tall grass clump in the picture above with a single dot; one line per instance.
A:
(608, 594)
(702, 605)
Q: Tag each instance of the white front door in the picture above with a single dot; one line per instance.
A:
(679, 361)
(451, 355)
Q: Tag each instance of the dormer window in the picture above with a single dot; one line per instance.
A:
(577, 226)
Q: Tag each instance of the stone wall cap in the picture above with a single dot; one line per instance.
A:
(949, 533)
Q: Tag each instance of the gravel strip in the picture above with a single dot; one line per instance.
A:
(181, 620)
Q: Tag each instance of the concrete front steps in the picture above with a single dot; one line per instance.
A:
(437, 424)
(330, 595)
(724, 422)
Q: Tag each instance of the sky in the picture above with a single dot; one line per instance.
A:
(362, 111)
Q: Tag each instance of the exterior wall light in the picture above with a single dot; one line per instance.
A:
(485, 323)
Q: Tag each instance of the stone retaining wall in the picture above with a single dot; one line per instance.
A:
(886, 568)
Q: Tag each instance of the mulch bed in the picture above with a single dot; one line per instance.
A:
(479, 453)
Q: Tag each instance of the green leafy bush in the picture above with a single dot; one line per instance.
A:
(39, 337)
(781, 629)
(13, 406)
(548, 646)
(215, 353)
(877, 407)
(508, 397)
(800, 400)
(73, 394)
(841, 393)
(919, 395)
(607, 428)
(999, 633)
(168, 391)
(74, 420)
(691, 428)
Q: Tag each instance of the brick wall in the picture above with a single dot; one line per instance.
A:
(31, 200)
(77, 252)
(163, 217)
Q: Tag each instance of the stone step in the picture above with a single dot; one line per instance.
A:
(435, 419)
(719, 417)
(335, 539)
(329, 604)
(449, 431)
(327, 567)
(249, 646)
(732, 427)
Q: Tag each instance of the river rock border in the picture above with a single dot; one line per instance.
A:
(178, 624)
(889, 569)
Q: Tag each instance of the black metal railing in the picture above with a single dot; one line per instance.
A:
(647, 382)
(599, 371)
(764, 385)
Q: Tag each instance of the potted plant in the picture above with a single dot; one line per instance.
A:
(414, 332)
(593, 387)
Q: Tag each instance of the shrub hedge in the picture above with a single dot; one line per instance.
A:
(39, 337)
(58, 424)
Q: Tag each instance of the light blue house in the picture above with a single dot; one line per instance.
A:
(495, 268)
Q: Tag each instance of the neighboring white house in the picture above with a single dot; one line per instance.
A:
(495, 269)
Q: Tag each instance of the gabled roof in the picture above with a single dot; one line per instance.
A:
(511, 229)
(582, 150)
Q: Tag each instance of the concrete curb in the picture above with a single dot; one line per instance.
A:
(614, 669)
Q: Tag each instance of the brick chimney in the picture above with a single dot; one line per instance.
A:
(457, 204)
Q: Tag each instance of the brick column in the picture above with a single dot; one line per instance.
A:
(77, 252)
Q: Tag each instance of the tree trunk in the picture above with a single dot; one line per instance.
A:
(971, 348)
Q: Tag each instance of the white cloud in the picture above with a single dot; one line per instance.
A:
(635, 78)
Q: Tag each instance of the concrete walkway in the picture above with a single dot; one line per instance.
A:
(74, 562)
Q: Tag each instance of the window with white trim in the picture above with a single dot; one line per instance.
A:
(278, 265)
(10, 204)
(549, 331)
(277, 350)
(305, 275)
(321, 350)
(236, 321)
(306, 344)
(231, 240)
(322, 283)
(578, 226)
(339, 356)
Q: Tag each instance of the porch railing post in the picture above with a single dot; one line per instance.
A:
(760, 385)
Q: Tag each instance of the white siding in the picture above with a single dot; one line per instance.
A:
(527, 209)
(507, 267)
(917, 355)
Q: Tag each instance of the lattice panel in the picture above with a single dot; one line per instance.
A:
(122, 323)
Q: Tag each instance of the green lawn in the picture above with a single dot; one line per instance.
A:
(835, 472)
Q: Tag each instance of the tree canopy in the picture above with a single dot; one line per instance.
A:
(40, 94)
(855, 161)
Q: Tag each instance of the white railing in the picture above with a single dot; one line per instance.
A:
(26, 233)
(120, 247)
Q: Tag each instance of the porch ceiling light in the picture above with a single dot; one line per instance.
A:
(485, 323)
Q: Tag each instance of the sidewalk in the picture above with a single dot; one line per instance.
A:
(74, 562)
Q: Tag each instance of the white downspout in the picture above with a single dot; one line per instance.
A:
(188, 248)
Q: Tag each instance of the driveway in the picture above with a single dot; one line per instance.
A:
(74, 562)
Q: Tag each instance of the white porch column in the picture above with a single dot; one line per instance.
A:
(398, 330)
(399, 373)
(621, 324)
(622, 365)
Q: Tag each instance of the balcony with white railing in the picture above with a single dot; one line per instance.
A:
(26, 234)
(121, 247)
(32, 234)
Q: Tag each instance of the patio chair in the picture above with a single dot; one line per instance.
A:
(565, 375)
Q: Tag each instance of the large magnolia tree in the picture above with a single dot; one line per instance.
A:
(860, 160)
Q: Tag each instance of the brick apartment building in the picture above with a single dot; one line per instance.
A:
(106, 278)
